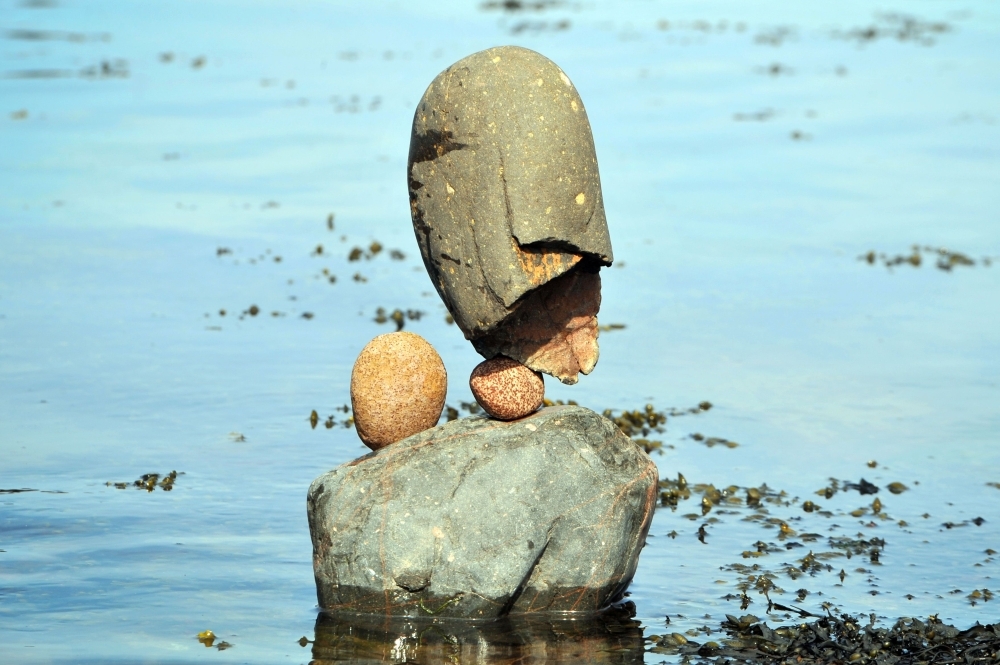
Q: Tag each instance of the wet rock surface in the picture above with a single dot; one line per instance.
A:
(506, 197)
(480, 518)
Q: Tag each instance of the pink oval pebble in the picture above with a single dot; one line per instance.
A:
(506, 389)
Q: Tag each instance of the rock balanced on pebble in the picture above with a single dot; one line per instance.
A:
(506, 203)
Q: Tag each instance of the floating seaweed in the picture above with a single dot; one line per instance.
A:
(840, 639)
(149, 482)
(207, 639)
(944, 259)
(472, 408)
(512, 6)
(398, 316)
(332, 420)
(901, 27)
(712, 441)
(374, 249)
(636, 422)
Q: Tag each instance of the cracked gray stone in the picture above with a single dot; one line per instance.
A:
(505, 193)
(479, 518)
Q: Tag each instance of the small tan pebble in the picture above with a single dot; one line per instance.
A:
(398, 387)
(506, 389)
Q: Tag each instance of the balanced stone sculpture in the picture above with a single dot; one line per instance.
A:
(525, 511)
(506, 203)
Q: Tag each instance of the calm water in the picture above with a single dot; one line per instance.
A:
(749, 156)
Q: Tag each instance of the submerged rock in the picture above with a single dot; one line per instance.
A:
(506, 199)
(480, 518)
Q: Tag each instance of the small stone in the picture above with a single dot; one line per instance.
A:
(506, 389)
(398, 387)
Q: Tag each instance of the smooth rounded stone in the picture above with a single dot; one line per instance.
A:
(505, 198)
(506, 389)
(481, 518)
(398, 387)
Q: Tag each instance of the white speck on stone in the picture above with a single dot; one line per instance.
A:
(565, 79)
(573, 105)
(451, 557)
(438, 533)
(449, 188)
(580, 198)
(531, 427)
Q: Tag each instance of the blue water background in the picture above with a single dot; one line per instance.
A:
(737, 277)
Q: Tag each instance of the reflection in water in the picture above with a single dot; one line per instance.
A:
(55, 36)
(610, 637)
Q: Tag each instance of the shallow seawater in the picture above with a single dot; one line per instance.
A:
(163, 162)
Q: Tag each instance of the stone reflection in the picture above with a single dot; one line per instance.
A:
(612, 636)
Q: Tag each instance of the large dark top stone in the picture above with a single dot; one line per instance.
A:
(504, 188)
(480, 518)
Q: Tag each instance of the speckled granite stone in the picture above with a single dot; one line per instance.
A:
(506, 389)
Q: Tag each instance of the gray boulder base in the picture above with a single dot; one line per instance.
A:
(480, 518)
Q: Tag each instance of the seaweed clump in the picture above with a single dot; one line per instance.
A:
(149, 482)
(946, 259)
(838, 639)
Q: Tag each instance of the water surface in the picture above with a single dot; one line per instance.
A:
(158, 158)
